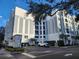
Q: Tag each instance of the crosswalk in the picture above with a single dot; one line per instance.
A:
(4, 53)
(29, 55)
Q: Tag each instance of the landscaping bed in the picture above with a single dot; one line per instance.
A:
(14, 49)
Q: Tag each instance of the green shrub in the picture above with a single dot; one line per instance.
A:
(60, 43)
(15, 49)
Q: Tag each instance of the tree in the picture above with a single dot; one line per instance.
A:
(77, 18)
(38, 9)
(2, 32)
(64, 37)
(77, 39)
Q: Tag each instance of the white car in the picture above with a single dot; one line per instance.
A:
(43, 44)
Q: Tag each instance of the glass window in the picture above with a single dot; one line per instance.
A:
(43, 27)
(67, 30)
(43, 32)
(60, 29)
(43, 36)
(40, 32)
(43, 23)
(36, 36)
(40, 36)
(40, 22)
(66, 25)
(40, 27)
(25, 36)
(36, 32)
(66, 20)
(36, 27)
(36, 23)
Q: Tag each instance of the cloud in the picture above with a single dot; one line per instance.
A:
(0, 17)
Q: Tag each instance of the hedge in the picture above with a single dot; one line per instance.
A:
(14, 49)
(60, 43)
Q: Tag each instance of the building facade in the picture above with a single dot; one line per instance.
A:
(40, 31)
(20, 28)
(60, 23)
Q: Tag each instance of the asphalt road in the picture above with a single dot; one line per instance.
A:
(44, 53)
(71, 54)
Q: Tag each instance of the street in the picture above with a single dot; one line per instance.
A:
(43, 53)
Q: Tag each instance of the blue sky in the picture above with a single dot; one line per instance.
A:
(6, 7)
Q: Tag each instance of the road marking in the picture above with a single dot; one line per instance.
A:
(49, 54)
(47, 51)
(8, 55)
(70, 54)
(29, 55)
(41, 51)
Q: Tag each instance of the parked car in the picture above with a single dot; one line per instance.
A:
(44, 44)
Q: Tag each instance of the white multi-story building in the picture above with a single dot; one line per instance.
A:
(60, 23)
(40, 34)
(20, 28)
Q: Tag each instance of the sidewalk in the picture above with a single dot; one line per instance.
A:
(2, 51)
(5, 53)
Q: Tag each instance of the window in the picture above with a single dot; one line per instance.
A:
(36, 27)
(43, 36)
(26, 37)
(40, 36)
(36, 23)
(66, 25)
(40, 32)
(43, 23)
(66, 20)
(36, 32)
(43, 32)
(36, 36)
(78, 26)
(67, 30)
(43, 27)
(60, 29)
(40, 22)
(40, 27)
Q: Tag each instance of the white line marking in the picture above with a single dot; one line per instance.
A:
(70, 54)
(47, 51)
(8, 55)
(29, 55)
(40, 52)
(32, 56)
(50, 54)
